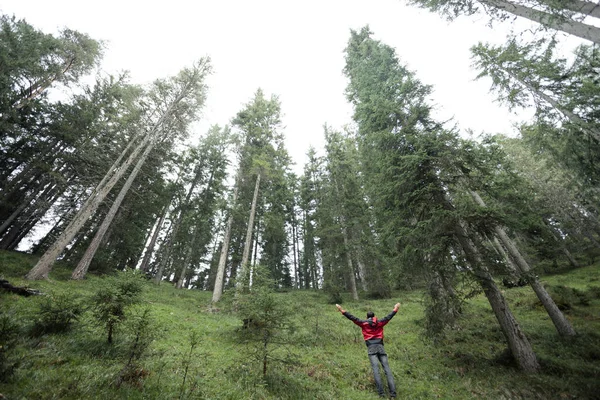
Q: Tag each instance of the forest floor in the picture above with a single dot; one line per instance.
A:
(324, 357)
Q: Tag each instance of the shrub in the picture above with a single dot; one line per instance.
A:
(114, 295)
(266, 320)
(57, 314)
(9, 332)
(143, 330)
(566, 297)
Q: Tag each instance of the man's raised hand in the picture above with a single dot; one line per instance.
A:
(396, 307)
(340, 308)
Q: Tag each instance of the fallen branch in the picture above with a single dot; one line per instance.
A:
(22, 291)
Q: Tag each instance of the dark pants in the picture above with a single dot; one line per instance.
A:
(377, 355)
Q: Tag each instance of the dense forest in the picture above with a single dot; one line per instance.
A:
(102, 176)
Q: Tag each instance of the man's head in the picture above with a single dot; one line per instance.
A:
(370, 314)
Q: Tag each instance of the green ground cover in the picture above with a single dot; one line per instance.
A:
(323, 358)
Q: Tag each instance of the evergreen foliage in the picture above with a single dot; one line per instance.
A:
(114, 295)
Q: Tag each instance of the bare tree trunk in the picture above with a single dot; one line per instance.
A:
(362, 273)
(582, 7)
(509, 262)
(294, 239)
(563, 247)
(220, 277)
(351, 277)
(255, 236)
(572, 27)
(150, 248)
(164, 257)
(591, 238)
(563, 326)
(186, 260)
(243, 280)
(517, 341)
(574, 118)
(82, 267)
(44, 265)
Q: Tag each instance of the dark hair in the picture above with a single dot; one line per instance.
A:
(370, 314)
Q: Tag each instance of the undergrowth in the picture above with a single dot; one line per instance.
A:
(174, 345)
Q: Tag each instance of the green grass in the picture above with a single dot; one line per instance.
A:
(329, 355)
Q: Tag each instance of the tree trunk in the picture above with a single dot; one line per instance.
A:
(563, 326)
(582, 7)
(164, 257)
(44, 265)
(150, 248)
(82, 267)
(509, 262)
(563, 247)
(517, 341)
(186, 260)
(294, 239)
(572, 27)
(220, 277)
(362, 273)
(255, 237)
(244, 278)
(574, 118)
(351, 277)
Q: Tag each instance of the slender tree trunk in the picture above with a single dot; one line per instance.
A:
(571, 27)
(220, 277)
(37, 88)
(82, 267)
(294, 238)
(582, 7)
(192, 246)
(255, 236)
(243, 280)
(44, 265)
(186, 260)
(362, 273)
(150, 248)
(563, 247)
(574, 118)
(509, 262)
(350, 270)
(591, 238)
(517, 341)
(164, 253)
(563, 326)
(307, 249)
(12, 217)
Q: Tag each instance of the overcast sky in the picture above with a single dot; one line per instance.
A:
(290, 49)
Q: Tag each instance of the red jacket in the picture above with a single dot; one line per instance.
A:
(372, 328)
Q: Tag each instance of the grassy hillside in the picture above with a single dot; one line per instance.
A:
(325, 356)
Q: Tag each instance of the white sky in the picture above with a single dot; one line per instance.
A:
(291, 49)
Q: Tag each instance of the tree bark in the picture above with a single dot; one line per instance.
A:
(574, 118)
(517, 341)
(351, 276)
(220, 277)
(150, 248)
(572, 27)
(582, 7)
(362, 273)
(244, 278)
(82, 267)
(186, 260)
(44, 265)
(294, 239)
(563, 326)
